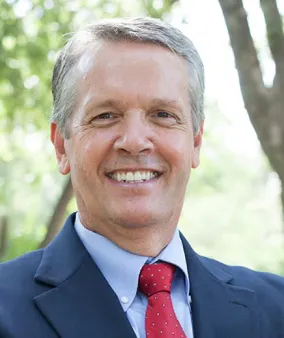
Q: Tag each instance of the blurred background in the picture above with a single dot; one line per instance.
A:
(233, 209)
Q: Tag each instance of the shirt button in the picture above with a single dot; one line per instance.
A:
(124, 300)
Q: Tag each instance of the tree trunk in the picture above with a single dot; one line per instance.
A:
(3, 235)
(57, 219)
(265, 105)
(282, 199)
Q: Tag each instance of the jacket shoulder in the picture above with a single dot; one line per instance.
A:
(17, 275)
(268, 287)
(248, 277)
(18, 314)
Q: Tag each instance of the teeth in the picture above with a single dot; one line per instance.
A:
(144, 175)
(129, 176)
(137, 176)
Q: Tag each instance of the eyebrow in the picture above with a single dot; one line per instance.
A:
(92, 104)
(166, 102)
(154, 103)
(103, 103)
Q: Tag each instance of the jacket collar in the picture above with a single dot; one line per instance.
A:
(81, 302)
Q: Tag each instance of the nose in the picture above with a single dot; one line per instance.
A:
(135, 136)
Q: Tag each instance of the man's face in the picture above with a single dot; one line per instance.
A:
(131, 145)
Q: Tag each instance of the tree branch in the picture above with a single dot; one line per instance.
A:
(246, 59)
(254, 92)
(275, 36)
(56, 221)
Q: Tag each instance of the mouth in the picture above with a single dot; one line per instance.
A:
(137, 176)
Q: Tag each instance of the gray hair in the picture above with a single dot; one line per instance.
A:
(127, 29)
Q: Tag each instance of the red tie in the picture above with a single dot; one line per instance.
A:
(155, 282)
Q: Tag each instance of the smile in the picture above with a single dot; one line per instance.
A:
(133, 176)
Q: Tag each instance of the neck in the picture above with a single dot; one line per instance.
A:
(146, 241)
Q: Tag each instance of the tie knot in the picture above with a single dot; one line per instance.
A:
(155, 278)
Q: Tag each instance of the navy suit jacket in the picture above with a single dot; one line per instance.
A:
(60, 292)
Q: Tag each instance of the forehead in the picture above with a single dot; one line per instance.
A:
(131, 68)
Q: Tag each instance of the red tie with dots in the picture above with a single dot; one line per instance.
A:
(155, 282)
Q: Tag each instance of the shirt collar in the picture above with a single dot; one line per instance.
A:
(121, 268)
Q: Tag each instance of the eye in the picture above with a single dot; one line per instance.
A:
(164, 118)
(104, 116)
(164, 114)
(105, 119)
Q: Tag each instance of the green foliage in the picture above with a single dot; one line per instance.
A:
(30, 39)
(157, 9)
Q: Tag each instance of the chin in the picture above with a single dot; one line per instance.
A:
(136, 220)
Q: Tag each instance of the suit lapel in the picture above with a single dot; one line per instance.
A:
(80, 302)
(219, 309)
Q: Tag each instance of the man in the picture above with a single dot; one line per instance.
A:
(127, 126)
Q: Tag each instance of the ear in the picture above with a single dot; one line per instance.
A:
(58, 141)
(197, 145)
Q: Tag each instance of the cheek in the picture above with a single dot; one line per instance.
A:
(88, 145)
(91, 150)
(178, 151)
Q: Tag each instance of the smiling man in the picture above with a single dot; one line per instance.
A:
(128, 126)
(131, 143)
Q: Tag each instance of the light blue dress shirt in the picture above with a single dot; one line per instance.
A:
(121, 270)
